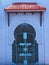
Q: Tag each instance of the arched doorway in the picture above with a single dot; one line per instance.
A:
(24, 47)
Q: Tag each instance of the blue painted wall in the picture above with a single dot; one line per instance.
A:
(6, 33)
